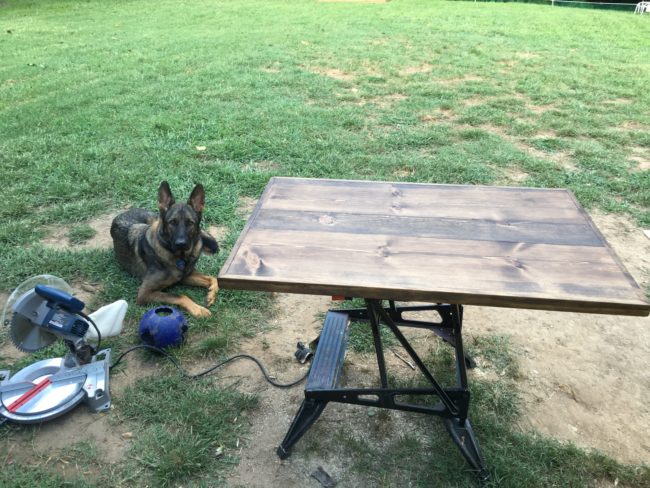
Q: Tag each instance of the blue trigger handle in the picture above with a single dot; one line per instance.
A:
(60, 298)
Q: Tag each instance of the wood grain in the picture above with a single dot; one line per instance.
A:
(506, 247)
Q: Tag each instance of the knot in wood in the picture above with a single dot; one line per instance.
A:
(384, 252)
(326, 220)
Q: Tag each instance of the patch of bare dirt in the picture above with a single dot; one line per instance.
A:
(58, 236)
(564, 159)
(86, 292)
(382, 101)
(439, 115)
(246, 206)
(414, 70)
(475, 101)
(382, 41)
(641, 158)
(526, 55)
(354, 1)
(561, 158)
(540, 109)
(642, 164)
(219, 232)
(633, 125)
(53, 439)
(299, 318)
(270, 69)
(367, 69)
(403, 172)
(261, 166)
(618, 101)
(335, 73)
(546, 134)
(462, 79)
(508, 65)
(515, 175)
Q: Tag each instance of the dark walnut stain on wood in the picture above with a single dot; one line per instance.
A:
(474, 245)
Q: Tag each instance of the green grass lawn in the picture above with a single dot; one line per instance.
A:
(100, 101)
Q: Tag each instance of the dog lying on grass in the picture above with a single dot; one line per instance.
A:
(163, 248)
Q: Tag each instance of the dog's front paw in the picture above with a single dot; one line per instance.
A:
(199, 312)
(212, 292)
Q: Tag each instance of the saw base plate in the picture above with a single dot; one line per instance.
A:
(50, 388)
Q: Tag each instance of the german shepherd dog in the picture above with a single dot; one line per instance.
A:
(162, 248)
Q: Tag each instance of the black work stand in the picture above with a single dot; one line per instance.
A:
(322, 384)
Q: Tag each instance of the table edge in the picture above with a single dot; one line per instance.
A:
(639, 309)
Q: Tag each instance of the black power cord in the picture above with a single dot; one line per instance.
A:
(99, 334)
(210, 370)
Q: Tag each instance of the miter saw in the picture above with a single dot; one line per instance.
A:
(36, 317)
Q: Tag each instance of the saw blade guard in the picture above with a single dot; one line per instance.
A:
(24, 287)
(44, 314)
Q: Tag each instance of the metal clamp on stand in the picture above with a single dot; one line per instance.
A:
(303, 353)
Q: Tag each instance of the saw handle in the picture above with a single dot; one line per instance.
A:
(60, 298)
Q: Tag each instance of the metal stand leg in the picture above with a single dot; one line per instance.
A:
(309, 412)
(379, 350)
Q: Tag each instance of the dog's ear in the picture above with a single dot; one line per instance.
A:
(197, 199)
(165, 197)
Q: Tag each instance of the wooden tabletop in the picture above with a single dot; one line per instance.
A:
(472, 245)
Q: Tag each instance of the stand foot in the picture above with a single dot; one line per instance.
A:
(463, 436)
(308, 413)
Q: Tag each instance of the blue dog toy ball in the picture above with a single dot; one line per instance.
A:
(163, 327)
